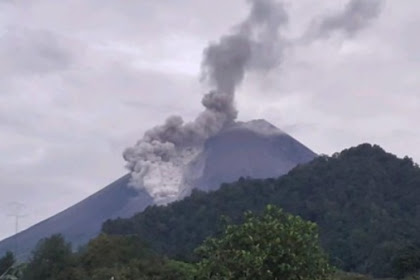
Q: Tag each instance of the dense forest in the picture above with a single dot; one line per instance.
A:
(364, 200)
(356, 211)
(272, 245)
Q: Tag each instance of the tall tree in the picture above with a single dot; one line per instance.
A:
(52, 259)
(275, 245)
(6, 262)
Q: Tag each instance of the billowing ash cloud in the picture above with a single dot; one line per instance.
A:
(157, 162)
(356, 16)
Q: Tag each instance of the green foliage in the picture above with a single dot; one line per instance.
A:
(15, 273)
(51, 260)
(120, 257)
(6, 262)
(415, 276)
(181, 270)
(148, 269)
(273, 246)
(364, 200)
(110, 251)
(407, 261)
(126, 257)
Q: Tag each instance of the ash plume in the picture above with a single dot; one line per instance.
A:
(157, 161)
(356, 16)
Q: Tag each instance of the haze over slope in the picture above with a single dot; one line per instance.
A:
(223, 160)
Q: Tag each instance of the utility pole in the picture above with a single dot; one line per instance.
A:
(16, 211)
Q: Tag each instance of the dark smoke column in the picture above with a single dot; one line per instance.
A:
(157, 161)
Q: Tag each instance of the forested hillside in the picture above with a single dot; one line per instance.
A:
(364, 200)
(271, 245)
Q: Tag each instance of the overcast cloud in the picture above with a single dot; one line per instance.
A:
(81, 80)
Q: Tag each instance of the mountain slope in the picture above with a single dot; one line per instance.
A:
(365, 201)
(226, 158)
(81, 222)
(255, 149)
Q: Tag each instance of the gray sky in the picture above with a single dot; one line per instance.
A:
(81, 80)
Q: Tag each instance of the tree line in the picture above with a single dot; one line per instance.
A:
(274, 245)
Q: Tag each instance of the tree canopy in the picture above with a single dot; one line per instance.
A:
(105, 257)
(6, 262)
(273, 246)
(51, 260)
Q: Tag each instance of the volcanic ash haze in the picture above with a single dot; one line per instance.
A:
(159, 161)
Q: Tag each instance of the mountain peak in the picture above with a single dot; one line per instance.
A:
(259, 126)
(254, 149)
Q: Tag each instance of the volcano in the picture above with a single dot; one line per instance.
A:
(254, 149)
